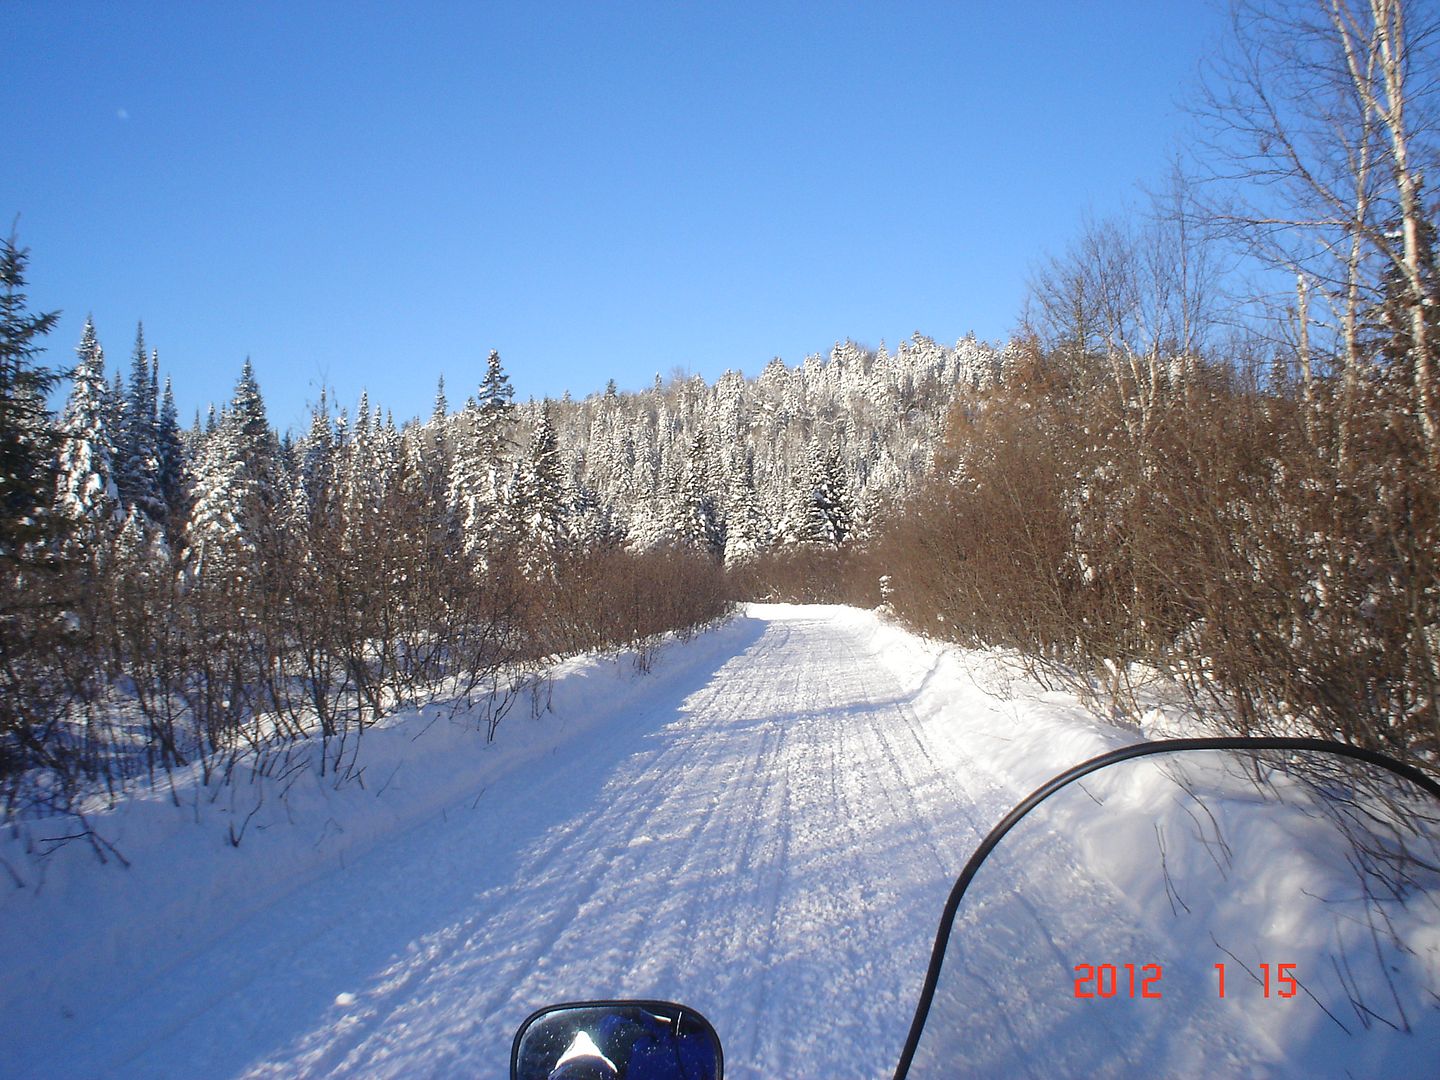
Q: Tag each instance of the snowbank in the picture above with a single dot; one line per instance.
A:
(79, 935)
(1022, 734)
(766, 826)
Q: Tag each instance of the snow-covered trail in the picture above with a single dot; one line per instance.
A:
(765, 828)
(770, 840)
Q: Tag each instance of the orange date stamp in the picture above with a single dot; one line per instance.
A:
(1143, 981)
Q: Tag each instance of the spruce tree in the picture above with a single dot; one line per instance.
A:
(540, 503)
(700, 525)
(27, 436)
(469, 490)
(138, 465)
(368, 466)
(221, 550)
(247, 407)
(824, 514)
(235, 492)
(87, 495)
(1392, 319)
(497, 407)
(442, 407)
(316, 454)
(116, 401)
(745, 531)
(480, 466)
(170, 454)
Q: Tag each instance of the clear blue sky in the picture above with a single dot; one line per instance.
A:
(366, 195)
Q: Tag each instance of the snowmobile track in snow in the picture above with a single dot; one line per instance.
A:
(770, 840)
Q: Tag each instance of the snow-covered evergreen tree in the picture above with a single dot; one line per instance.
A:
(221, 547)
(441, 408)
(138, 457)
(316, 456)
(371, 459)
(823, 512)
(541, 501)
(116, 399)
(235, 494)
(170, 458)
(482, 467)
(497, 409)
(471, 494)
(699, 523)
(87, 495)
(593, 524)
(27, 447)
(252, 432)
(746, 532)
(140, 551)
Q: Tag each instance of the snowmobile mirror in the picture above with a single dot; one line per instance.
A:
(616, 1040)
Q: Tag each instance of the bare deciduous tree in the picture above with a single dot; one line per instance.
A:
(1321, 121)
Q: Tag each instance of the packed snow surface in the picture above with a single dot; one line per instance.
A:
(765, 828)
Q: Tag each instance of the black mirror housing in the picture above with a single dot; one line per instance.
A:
(616, 1040)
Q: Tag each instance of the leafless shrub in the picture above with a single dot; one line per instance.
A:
(614, 598)
(1231, 548)
(808, 574)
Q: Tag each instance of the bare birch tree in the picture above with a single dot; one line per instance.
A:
(1321, 121)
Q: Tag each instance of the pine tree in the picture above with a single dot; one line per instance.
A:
(316, 452)
(116, 401)
(140, 554)
(594, 525)
(657, 484)
(247, 407)
(362, 414)
(470, 491)
(369, 461)
(480, 492)
(221, 549)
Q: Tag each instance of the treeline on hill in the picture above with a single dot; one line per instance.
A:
(216, 595)
(222, 593)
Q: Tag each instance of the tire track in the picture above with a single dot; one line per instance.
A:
(769, 841)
